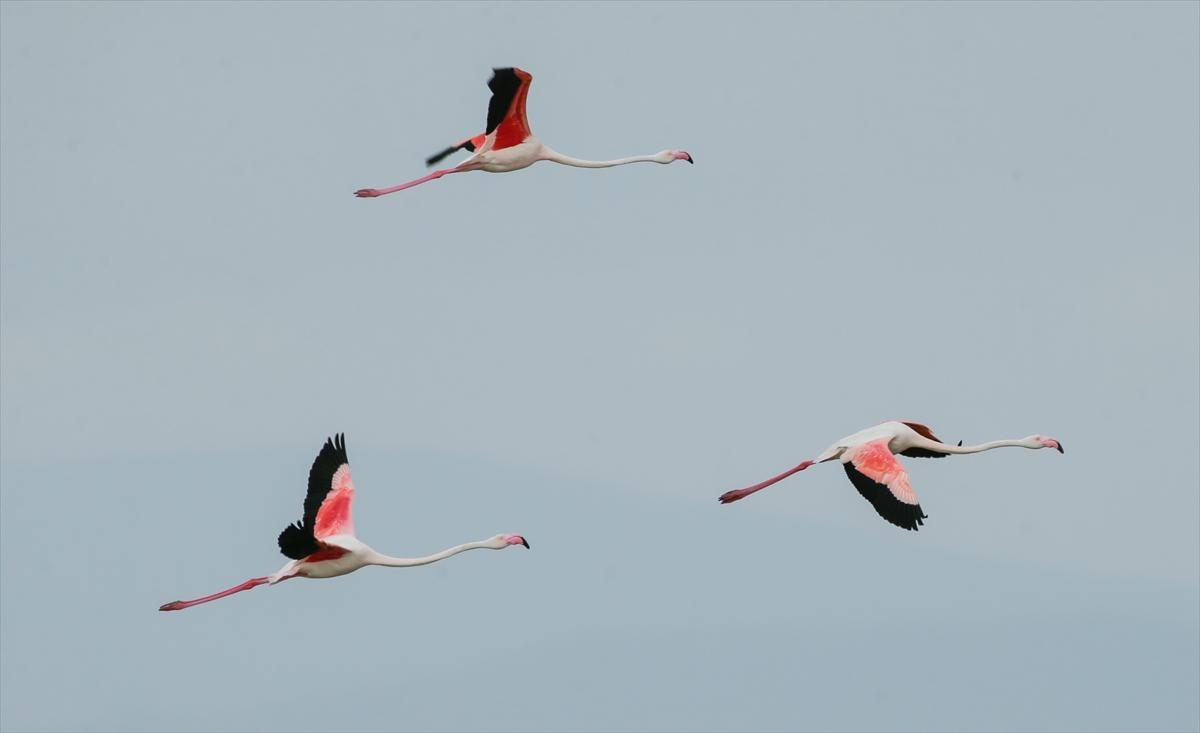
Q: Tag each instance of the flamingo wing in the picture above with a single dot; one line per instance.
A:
(506, 111)
(506, 115)
(471, 143)
(924, 432)
(327, 505)
(882, 480)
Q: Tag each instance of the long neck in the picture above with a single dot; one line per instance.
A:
(404, 562)
(548, 154)
(962, 449)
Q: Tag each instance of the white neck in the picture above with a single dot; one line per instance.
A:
(404, 562)
(548, 154)
(1030, 442)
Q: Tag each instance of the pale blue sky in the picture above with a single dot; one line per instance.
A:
(983, 217)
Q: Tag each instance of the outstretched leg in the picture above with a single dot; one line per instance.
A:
(732, 496)
(370, 193)
(180, 605)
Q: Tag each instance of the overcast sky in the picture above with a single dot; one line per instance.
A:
(981, 217)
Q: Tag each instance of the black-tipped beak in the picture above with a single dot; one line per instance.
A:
(689, 159)
(523, 542)
(1060, 450)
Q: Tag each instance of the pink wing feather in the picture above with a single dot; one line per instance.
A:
(334, 515)
(882, 480)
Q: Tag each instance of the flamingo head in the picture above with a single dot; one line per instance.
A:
(670, 156)
(500, 541)
(1044, 442)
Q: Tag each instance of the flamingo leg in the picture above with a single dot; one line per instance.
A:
(732, 496)
(180, 605)
(370, 193)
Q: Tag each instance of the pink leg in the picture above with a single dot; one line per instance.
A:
(370, 193)
(180, 605)
(732, 496)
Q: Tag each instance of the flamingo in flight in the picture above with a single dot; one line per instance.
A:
(323, 545)
(508, 145)
(870, 461)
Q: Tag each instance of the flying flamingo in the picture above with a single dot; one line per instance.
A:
(869, 460)
(322, 544)
(508, 145)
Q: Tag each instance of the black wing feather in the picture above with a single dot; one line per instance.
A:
(504, 85)
(908, 516)
(435, 159)
(922, 453)
(297, 540)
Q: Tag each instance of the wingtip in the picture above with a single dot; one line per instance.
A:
(438, 157)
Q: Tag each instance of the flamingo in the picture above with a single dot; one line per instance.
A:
(323, 545)
(508, 145)
(869, 459)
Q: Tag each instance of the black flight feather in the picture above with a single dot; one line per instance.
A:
(921, 453)
(434, 160)
(504, 85)
(907, 516)
(297, 540)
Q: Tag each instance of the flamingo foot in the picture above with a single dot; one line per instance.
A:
(173, 606)
(366, 193)
(731, 496)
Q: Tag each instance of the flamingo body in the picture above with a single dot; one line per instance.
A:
(322, 544)
(869, 457)
(508, 144)
(341, 555)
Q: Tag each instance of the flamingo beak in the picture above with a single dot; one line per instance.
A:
(688, 158)
(1059, 446)
(523, 542)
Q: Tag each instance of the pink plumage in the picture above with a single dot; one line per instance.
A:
(869, 457)
(322, 544)
(508, 144)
